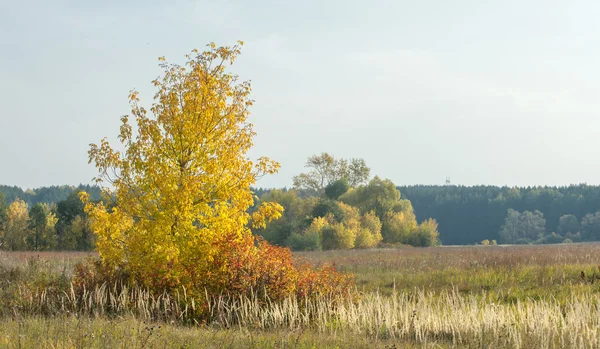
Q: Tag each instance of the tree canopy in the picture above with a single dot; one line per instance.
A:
(325, 170)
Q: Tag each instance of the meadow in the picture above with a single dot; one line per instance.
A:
(439, 297)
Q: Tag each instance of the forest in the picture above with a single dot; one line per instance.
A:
(49, 195)
(469, 215)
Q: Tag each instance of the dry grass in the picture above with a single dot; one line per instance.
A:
(510, 272)
(461, 257)
(492, 297)
(419, 318)
(131, 333)
(48, 255)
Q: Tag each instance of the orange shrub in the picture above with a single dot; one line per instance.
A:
(246, 266)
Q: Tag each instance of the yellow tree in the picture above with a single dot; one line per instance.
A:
(370, 233)
(16, 229)
(50, 237)
(181, 186)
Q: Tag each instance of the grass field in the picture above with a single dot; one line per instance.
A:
(471, 297)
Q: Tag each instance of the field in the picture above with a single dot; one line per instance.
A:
(443, 297)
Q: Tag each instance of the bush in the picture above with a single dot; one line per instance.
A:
(398, 227)
(309, 241)
(523, 241)
(369, 234)
(573, 237)
(426, 234)
(552, 239)
(247, 266)
(337, 236)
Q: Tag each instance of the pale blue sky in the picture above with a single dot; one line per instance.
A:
(485, 92)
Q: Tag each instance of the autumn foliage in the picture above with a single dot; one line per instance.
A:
(175, 213)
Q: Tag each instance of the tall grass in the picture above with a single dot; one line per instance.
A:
(515, 272)
(479, 297)
(418, 317)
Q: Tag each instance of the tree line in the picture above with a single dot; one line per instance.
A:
(61, 225)
(49, 194)
(335, 204)
(468, 215)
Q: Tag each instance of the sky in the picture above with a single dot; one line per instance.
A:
(483, 92)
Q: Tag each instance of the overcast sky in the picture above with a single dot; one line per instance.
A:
(483, 92)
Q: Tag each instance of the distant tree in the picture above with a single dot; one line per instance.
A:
(533, 224)
(379, 196)
(361, 218)
(73, 228)
(470, 214)
(398, 227)
(336, 189)
(510, 230)
(12, 193)
(344, 234)
(297, 215)
(49, 195)
(37, 226)
(336, 236)
(74, 237)
(309, 239)
(383, 199)
(552, 238)
(50, 238)
(348, 230)
(590, 227)
(327, 207)
(325, 169)
(523, 227)
(3, 209)
(16, 227)
(568, 224)
(573, 237)
(70, 208)
(343, 223)
(426, 234)
(370, 233)
(355, 171)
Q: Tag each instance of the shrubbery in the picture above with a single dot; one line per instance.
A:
(363, 217)
(245, 266)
